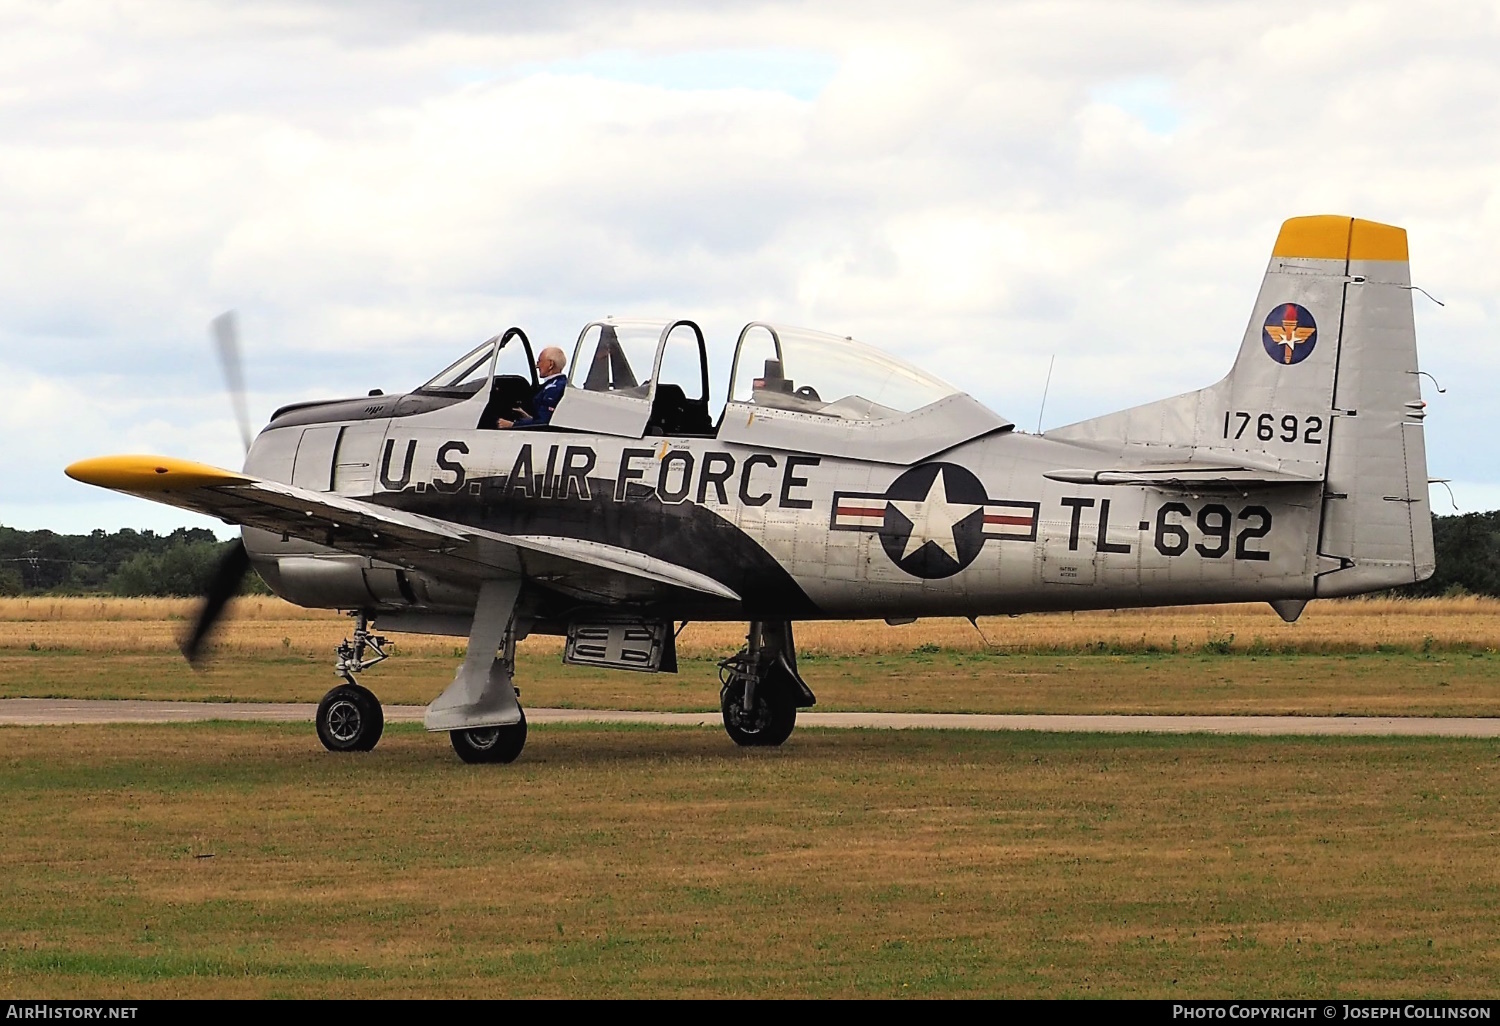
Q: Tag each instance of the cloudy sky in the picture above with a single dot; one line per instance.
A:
(979, 187)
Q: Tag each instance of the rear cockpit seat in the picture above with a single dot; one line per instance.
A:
(673, 413)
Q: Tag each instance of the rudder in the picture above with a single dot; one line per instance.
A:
(1377, 520)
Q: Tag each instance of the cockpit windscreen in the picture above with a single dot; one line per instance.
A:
(466, 374)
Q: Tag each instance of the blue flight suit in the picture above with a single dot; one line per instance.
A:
(547, 397)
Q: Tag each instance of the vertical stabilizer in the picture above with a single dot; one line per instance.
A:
(1325, 388)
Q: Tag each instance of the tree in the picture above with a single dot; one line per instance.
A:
(181, 570)
(1468, 556)
(126, 562)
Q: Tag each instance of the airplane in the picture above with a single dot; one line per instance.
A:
(838, 482)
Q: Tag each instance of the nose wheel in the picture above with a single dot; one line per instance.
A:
(350, 719)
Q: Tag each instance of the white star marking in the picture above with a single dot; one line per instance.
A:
(933, 518)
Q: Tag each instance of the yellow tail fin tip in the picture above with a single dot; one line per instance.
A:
(1336, 237)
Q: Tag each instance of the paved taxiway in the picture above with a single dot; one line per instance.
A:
(59, 712)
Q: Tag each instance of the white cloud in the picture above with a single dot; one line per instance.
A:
(376, 186)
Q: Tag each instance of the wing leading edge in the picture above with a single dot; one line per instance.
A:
(412, 540)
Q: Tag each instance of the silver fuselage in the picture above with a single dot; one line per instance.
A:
(785, 531)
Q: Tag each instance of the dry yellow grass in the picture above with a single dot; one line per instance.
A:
(269, 625)
(106, 608)
(1437, 659)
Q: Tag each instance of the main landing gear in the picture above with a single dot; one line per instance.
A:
(479, 710)
(762, 690)
(490, 744)
(349, 717)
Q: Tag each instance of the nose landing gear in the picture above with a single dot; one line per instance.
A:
(349, 718)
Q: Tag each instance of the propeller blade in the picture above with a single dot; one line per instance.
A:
(226, 582)
(227, 343)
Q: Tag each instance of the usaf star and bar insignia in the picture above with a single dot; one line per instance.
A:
(934, 519)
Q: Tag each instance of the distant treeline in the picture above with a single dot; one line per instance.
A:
(123, 563)
(181, 563)
(1468, 557)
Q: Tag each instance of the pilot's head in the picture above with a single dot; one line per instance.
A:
(550, 361)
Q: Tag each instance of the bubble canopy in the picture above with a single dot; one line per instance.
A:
(790, 388)
(826, 375)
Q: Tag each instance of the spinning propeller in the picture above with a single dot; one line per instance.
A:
(231, 571)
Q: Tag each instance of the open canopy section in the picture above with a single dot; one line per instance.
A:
(616, 356)
(792, 388)
(637, 377)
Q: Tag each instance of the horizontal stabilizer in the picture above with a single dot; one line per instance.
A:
(1183, 476)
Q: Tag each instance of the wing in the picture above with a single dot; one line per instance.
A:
(579, 567)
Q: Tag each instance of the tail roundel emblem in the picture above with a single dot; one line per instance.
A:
(1290, 333)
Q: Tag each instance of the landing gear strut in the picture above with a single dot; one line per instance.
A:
(762, 690)
(349, 717)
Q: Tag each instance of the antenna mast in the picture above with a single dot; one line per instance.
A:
(1043, 408)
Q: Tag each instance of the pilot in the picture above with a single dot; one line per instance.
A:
(549, 366)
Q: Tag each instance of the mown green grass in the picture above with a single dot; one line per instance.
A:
(1400, 683)
(644, 861)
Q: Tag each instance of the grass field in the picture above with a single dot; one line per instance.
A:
(240, 860)
(1385, 657)
(243, 860)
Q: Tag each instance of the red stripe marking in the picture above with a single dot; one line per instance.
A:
(861, 511)
(1015, 521)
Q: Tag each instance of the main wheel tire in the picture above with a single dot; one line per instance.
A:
(768, 724)
(350, 719)
(490, 744)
